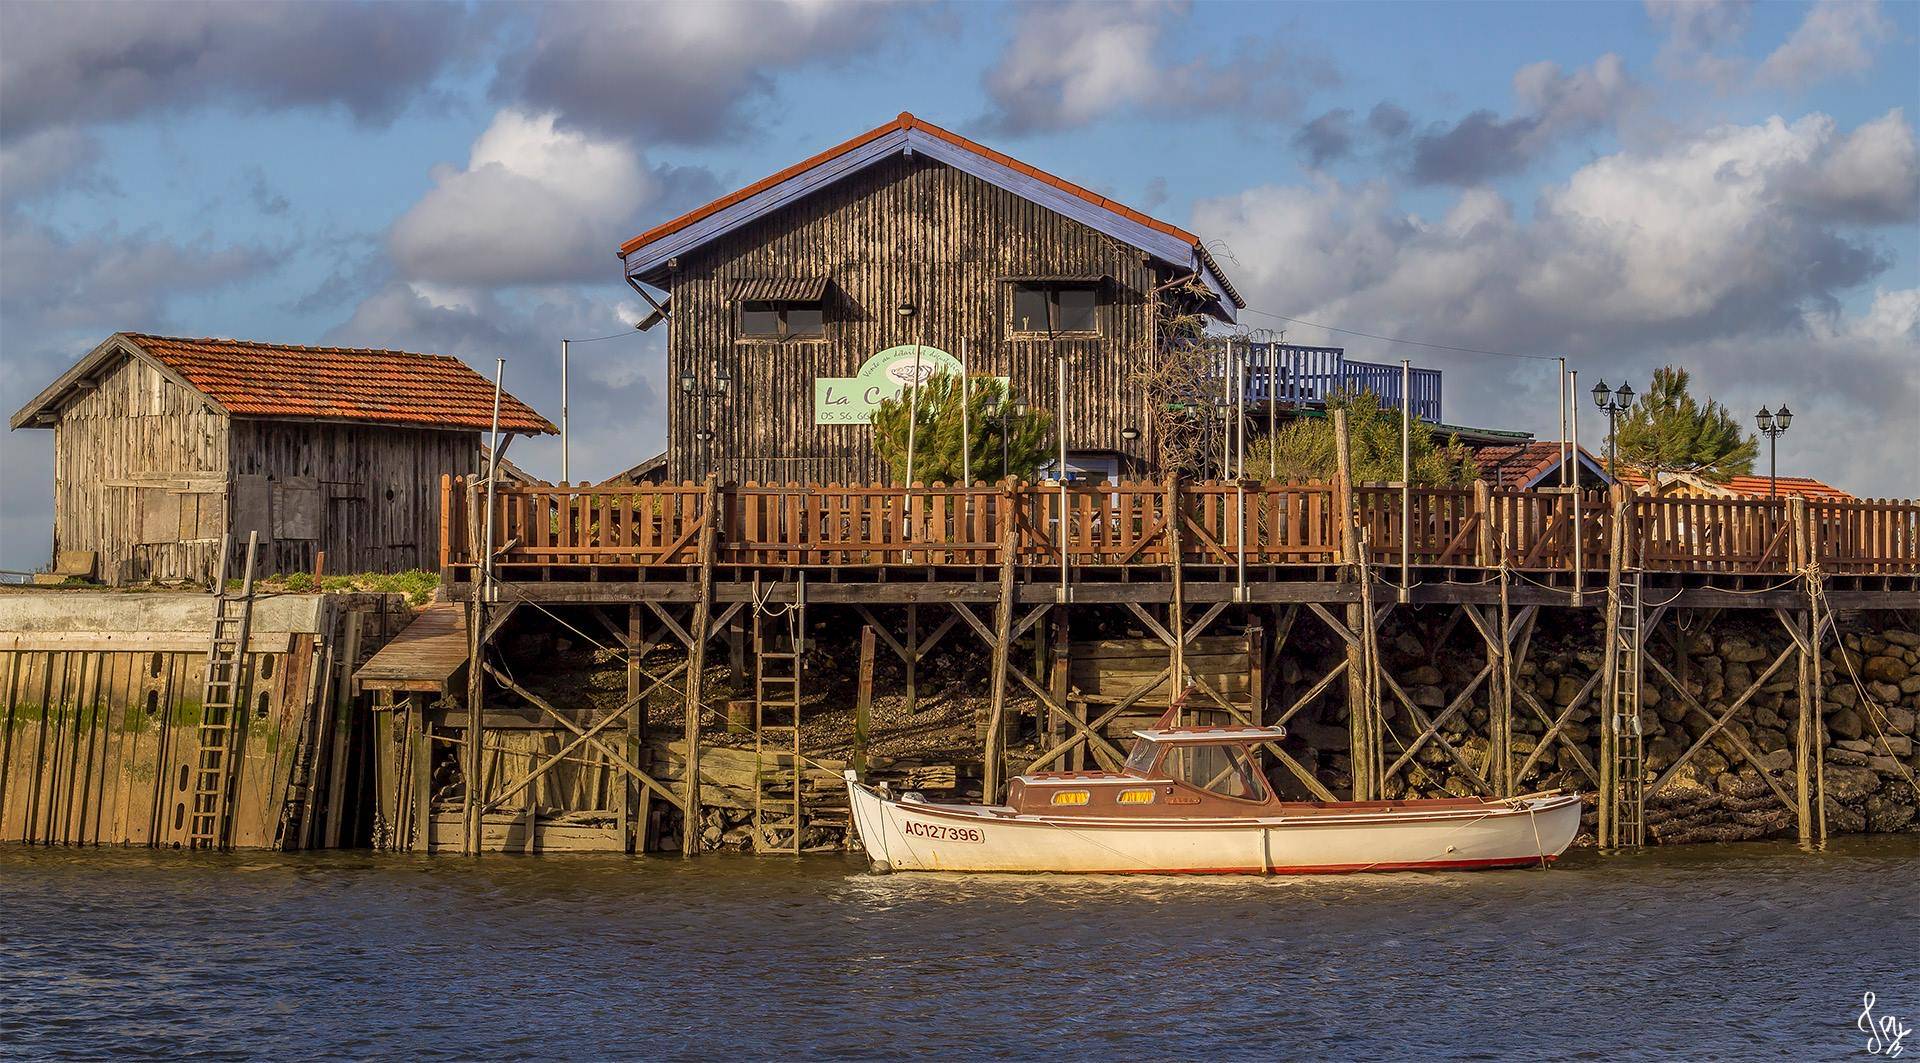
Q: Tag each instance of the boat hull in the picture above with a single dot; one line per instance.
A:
(906, 835)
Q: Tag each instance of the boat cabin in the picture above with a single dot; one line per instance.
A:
(1172, 772)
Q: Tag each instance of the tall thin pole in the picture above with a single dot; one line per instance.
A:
(1240, 475)
(477, 638)
(1563, 422)
(1060, 431)
(1773, 466)
(1406, 477)
(1573, 447)
(566, 472)
(966, 432)
(1273, 404)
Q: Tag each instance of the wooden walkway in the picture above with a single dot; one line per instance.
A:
(424, 657)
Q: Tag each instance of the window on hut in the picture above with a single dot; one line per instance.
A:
(1055, 307)
(781, 321)
(782, 308)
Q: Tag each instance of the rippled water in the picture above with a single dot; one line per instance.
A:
(1699, 951)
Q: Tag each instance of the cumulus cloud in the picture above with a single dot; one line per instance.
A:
(41, 161)
(83, 62)
(535, 204)
(1327, 138)
(1071, 64)
(1734, 252)
(1838, 37)
(684, 73)
(1698, 34)
(1555, 105)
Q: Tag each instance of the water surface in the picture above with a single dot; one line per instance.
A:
(1705, 951)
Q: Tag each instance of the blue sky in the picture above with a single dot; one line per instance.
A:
(1732, 187)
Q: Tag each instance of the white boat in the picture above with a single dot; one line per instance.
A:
(1191, 800)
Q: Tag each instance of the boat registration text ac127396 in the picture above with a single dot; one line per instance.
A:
(937, 832)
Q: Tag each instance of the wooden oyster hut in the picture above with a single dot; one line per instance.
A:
(164, 445)
(795, 303)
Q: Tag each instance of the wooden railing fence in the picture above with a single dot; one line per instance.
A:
(1128, 524)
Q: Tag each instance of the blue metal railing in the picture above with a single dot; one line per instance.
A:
(1293, 373)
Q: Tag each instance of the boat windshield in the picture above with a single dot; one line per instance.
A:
(1140, 761)
(1221, 769)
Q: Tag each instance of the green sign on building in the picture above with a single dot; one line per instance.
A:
(852, 399)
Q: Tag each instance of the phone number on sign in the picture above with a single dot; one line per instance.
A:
(938, 833)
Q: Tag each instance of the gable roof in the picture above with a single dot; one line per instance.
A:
(1526, 465)
(1738, 486)
(274, 380)
(648, 252)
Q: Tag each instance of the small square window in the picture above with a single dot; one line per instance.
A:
(1029, 309)
(779, 321)
(1050, 308)
(805, 321)
(1076, 309)
(759, 319)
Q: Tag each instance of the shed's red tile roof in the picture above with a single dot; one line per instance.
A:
(339, 383)
(904, 122)
(1514, 467)
(1755, 486)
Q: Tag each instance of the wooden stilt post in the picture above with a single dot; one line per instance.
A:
(639, 800)
(697, 667)
(1359, 755)
(476, 681)
(912, 662)
(1607, 830)
(863, 702)
(1176, 573)
(993, 752)
(1500, 703)
(1805, 744)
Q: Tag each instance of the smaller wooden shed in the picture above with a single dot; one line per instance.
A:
(163, 445)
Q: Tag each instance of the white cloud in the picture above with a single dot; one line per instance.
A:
(84, 61)
(1838, 37)
(681, 72)
(1074, 63)
(1555, 105)
(1698, 32)
(1733, 253)
(42, 161)
(535, 204)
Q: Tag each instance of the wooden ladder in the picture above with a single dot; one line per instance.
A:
(779, 639)
(222, 708)
(1629, 747)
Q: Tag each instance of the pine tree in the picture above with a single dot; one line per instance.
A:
(1667, 430)
(1306, 449)
(1003, 441)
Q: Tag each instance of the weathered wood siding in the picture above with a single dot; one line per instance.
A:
(368, 495)
(140, 467)
(909, 230)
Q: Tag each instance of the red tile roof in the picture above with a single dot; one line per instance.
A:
(339, 383)
(904, 122)
(1755, 486)
(1515, 467)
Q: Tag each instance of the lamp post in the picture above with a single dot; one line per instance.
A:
(1614, 404)
(1772, 423)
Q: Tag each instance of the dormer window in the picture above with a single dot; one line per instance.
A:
(781, 308)
(1056, 306)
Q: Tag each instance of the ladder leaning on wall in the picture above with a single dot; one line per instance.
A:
(779, 640)
(222, 709)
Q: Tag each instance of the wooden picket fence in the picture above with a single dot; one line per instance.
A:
(1137, 524)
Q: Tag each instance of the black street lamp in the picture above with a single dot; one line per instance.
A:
(1615, 404)
(1772, 423)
